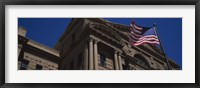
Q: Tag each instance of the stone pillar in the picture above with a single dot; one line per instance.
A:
(91, 55)
(19, 49)
(31, 65)
(120, 61)
(86, 58)
(95, 55)
(116, 61)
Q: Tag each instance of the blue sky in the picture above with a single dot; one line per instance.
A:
(48, 30)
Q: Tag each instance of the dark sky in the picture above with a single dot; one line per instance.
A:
(48, 30)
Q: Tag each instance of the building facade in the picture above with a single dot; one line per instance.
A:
(97, 44)
(35, 56)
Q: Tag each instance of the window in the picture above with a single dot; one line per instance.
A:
(141, 61)
(38, 67)
(24, 64)
(102, 60)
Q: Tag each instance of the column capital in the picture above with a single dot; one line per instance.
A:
(91, 39)
(119, 53)
(96, 41)
(116, 61)
(115, 51)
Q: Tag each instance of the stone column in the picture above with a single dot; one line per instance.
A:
(91, 55)
(95, 55)
(19, 49)
(116, 61)
(120, 61)
(31, 65)
(86, 58)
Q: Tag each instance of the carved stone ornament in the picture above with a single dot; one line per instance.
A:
(128, 51)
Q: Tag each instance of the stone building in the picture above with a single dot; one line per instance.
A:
(93, 44)
(33, 55)
(97, 44)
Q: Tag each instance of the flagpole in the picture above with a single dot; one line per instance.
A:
(168, 65)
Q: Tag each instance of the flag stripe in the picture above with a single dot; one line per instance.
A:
(139, 28)
(136, 27)
(136, 34)
(135, 30)
(145, 42)
(149, 36)
(153, 41)
(147, 39)
(134, 38)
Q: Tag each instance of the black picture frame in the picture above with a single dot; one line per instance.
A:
(99, 2)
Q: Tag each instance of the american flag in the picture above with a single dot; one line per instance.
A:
(142, 35)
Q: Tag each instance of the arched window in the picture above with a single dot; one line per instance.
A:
(140, 60)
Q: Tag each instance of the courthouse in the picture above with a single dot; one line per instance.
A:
(90, 44)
